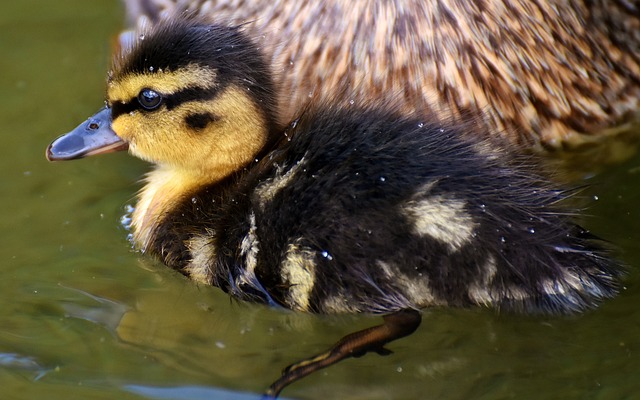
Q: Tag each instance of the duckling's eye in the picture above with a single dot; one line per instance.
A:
(149, 99)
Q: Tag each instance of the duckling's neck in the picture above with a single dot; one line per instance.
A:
(165, 187)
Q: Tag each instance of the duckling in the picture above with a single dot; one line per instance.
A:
(557, 78)
(345, 209)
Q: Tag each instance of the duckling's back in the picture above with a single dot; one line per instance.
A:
(366, 211)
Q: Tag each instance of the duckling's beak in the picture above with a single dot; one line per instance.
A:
(93, 136)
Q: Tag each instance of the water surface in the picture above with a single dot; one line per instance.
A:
(82, 316)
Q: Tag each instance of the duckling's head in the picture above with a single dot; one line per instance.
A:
(188, 95)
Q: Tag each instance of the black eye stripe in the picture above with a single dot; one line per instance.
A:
(190, 94)
(171, 101)
(118, 108)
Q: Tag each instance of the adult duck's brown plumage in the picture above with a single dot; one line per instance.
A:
(552, 75)
(347, 208)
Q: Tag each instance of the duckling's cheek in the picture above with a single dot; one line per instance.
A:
(145, 135)
(128, 127)
(123, 127)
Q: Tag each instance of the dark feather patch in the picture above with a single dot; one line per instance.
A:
(199, 121)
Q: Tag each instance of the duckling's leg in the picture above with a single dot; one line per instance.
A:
(397, 325)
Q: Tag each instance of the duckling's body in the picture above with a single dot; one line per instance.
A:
(347, 209)
(365, 211)
(549, 75)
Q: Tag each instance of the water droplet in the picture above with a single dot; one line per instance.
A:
(399, 369)
(502, 239)
(596, 198)
(483, 207)
(420, 125)
(383, 179)
(141, 37)
(326, 255)
(352, 102)
(531, 230)
(220, 345)
(125, 221)
(194, 200)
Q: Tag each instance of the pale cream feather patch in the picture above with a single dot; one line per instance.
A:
(443, 218)
(298, 270)
(203, 253)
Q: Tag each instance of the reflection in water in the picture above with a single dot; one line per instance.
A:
(188, 393)
(18, 361)
(105, 312)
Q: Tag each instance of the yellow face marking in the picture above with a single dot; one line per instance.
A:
(126, 88)
(229, 143)
(186, 158)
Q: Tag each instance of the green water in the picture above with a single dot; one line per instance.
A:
(83, 317)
